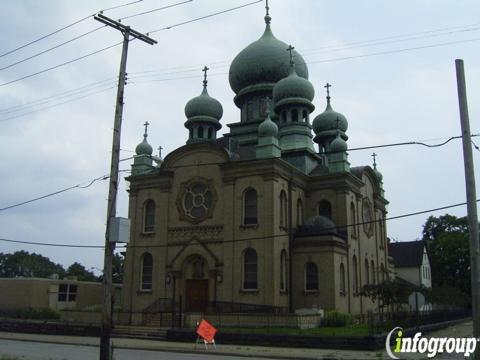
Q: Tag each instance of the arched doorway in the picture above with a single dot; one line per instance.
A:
(195, 270)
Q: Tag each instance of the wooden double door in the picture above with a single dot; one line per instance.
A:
(196, 295)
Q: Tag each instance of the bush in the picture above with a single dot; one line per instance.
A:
(336, 319)
(42, 314)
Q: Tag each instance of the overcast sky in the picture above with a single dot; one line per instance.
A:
(391, 64)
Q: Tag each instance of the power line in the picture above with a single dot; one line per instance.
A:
(204, 17)
(157, 9)
(57, 96)
(52, 48)
(111, 46)
(60, 103)
(65, 27)
(242, 239)
(60, 65)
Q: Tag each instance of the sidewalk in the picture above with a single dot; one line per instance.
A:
(463, 329)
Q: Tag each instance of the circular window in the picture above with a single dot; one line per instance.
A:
(196, 200)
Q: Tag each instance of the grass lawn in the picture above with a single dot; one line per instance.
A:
(352, 330)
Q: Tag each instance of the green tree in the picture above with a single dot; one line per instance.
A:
(117, 270)
(22, 263)
(82, 274)
(447, 241)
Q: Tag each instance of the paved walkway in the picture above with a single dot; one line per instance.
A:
(459, 330)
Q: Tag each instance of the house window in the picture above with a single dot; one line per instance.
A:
(367, 279)
(149, 217)
(325, 209)
(67, 293)
(299, 212)
(342, 280)
(311, 277)
(250, 207)
(355, 274)
(250, 269)
(283, 210)
(283, 270)
(353, 221)
(147, 267)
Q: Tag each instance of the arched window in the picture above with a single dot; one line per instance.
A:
(372, 269)
(353, 221)
(146, 276)
(200, 132)
(382, 270)
(250, 269)
(210, 133)
(325, 209)
(283, 270)
(284, 116)
(299, 212)
(355, 274)
(311, 277)
(149, 217)
(295, 115)
(343, 290)
(250, 207)
(305, 116)
(283, 209)
(367, 273)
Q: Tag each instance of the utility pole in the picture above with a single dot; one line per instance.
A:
(471, 201)
(106, 328)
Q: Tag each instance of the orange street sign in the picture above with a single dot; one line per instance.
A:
(206, 331)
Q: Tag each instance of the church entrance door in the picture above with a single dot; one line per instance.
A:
(196, 295)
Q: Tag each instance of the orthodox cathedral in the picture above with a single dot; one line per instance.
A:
(268, 214)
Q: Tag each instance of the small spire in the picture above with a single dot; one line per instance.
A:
(328, 86)
(290, 50)
(267, 18)
(374, 156)
(205, 81)
(160, 152)
(146, 129)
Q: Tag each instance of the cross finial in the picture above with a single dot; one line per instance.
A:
(290, 50)
(267, 16)
(146, 129)
(160, 152)
(267, 101)
(205, 69)
(328, 86)
(374, 156)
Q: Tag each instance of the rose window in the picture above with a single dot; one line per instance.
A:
(197, 200)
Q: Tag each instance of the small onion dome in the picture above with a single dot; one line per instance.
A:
(293, 86)
(328, 121)
(263, 62)
(319, 223)
(338, 144)
(144, 148)
(378, 174)
(268, 127)
(204, 106)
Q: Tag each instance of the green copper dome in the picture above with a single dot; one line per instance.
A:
(338, 144)
(204, 106)
(267, 127)
(144, 148)
(328, 121)
(293, 86)
(264, 61)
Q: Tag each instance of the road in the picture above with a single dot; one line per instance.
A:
(43, 351)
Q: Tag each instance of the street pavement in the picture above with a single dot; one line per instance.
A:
(54, 347)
